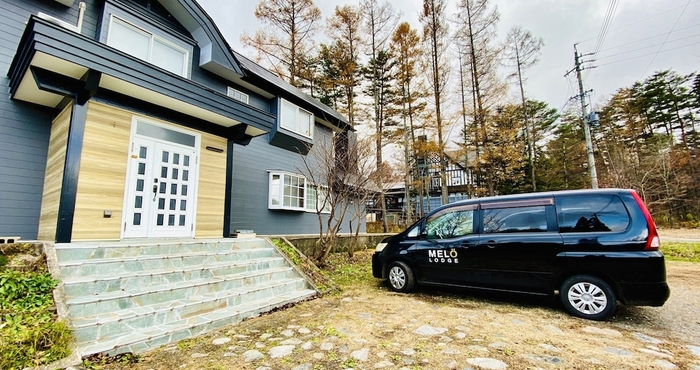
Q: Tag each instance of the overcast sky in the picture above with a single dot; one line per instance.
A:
(644, 36)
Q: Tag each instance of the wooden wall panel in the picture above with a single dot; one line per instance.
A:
(103, 169)
(102, 173)
(53, 179)
(211, 189)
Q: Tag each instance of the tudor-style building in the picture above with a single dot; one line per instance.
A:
(135, 119)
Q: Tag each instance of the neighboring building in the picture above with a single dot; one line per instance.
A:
(135, 119)
(459, 186)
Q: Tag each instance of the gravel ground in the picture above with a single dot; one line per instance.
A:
(371, 327)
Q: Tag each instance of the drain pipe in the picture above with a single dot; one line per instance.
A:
(81, 14)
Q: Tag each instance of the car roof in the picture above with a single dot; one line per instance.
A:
(530, 196)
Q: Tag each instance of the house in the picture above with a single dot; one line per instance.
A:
(425, 188)
(134, 119)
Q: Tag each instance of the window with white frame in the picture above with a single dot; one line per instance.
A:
(296, 119)
(235, 94)
(317, 196)
(287, 191)
(147, 46)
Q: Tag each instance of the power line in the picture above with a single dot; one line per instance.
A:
(606, 25)
(612, 7)
(648, 38)
(648, 46)
(645, 19)
(672, 28)
(646, 55)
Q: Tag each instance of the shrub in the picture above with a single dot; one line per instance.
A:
(29, 332)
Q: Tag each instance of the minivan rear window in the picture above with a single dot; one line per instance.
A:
(591, 213)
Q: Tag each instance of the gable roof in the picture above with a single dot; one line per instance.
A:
(217, 56)
(214, 54)
(257, 73)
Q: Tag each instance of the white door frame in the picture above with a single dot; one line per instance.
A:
(151, 198)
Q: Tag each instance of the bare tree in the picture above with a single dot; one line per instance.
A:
(379, 21)
(341, 174)
(477, 29)
(522, 51)
(435, 35)
(287, 41)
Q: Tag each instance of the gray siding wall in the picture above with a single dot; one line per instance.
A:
(25, 128)
(249, 200)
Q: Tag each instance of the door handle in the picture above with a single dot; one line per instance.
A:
(155, 189)
(467, 244)
(491, 243)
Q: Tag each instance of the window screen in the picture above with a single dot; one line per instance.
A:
(515, 220)
(591, 213)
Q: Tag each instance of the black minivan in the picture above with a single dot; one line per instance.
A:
(591, 247)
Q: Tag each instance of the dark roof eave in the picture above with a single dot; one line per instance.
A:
(51, 39)
(267, 80)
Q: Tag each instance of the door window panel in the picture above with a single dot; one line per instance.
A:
(515, 220)
(591, 213)
(450, 224)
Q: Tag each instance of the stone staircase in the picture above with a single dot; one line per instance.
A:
(133, 297)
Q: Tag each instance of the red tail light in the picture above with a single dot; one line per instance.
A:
(653, 242)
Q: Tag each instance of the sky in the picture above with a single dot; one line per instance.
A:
(643, 36)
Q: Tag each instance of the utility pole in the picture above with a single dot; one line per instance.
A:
(586, 121)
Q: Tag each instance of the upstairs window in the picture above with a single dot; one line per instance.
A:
(235, 94)
(297, 120)
(146, 46)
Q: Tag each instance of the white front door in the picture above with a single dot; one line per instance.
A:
(160, 194)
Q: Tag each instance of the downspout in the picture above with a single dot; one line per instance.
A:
(81, 14)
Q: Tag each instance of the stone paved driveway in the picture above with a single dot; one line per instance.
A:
(373, 328)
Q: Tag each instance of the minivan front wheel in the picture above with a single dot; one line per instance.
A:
(401, 277)
(588, 297)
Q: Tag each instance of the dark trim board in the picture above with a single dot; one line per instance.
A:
(50, 39)
(235, 133)
(69, 188)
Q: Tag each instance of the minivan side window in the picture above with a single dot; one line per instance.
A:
(515, 220)
(591, 213)
(451, 223)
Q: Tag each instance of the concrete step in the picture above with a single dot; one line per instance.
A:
(105, 326)
(149, 338)
(91, 305)
(130, 281)
(84, 251)
(128, 265)
(135, 296)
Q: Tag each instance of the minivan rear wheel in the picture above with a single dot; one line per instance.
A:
(588, 297)
(400, 277)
